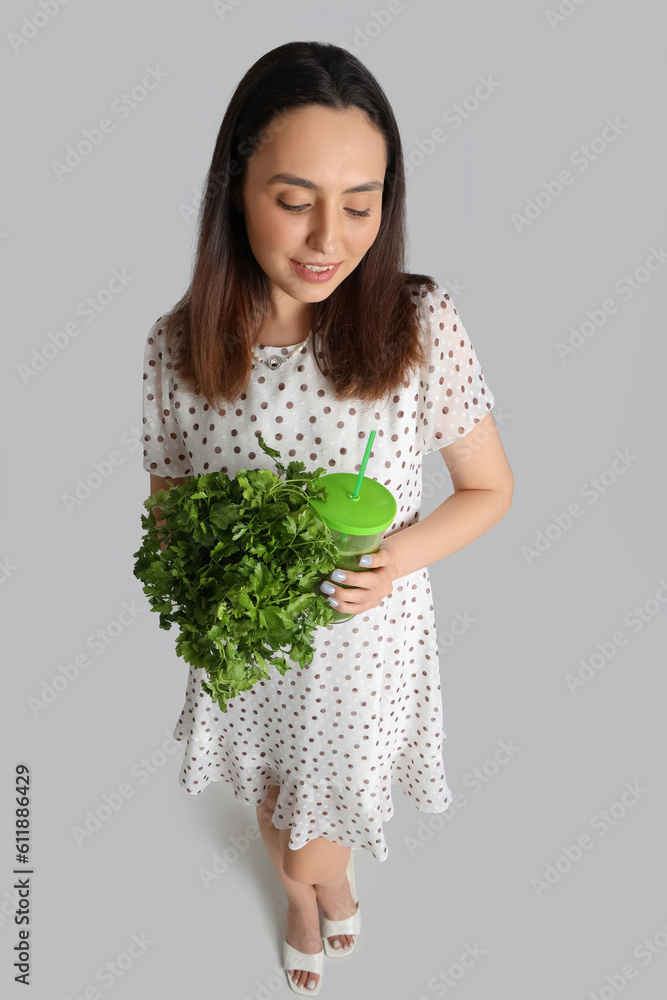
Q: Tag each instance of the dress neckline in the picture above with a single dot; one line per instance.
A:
(286, 347)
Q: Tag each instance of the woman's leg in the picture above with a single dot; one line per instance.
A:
(302, 894)
(322, 863)
(303, 931)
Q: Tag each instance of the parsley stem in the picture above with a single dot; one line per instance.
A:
(283, 483)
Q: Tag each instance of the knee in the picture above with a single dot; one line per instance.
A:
(297, 868)
(299, 865)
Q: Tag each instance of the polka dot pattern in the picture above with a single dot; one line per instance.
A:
(366, 714)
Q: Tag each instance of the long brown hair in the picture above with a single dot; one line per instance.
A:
(366, 334)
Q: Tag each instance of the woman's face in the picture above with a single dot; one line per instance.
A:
(309, 215)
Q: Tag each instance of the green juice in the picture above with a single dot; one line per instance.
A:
(350, 547)
(357, 512)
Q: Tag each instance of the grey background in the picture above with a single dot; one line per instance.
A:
(67, 573)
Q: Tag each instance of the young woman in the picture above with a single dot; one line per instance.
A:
(301, 325)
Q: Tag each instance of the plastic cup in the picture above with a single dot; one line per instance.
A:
(357, 524)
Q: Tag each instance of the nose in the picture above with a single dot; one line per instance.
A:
(324, 236)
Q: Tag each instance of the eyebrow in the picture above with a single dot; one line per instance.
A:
(302, 182)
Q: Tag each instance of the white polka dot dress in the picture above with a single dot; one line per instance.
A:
(367, 713)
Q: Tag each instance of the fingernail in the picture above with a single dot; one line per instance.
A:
(338, 576)
(364, 561)
(327, 587)
(332, 601)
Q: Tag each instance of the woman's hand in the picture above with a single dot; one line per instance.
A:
(367, 587)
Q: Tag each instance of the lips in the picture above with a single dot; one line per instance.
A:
(317, 276)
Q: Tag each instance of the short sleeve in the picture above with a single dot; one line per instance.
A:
(165, 453)
(455, 395)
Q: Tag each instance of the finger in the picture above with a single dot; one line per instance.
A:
(352, 578)
(351, 595)
(368, 560)
(379, 558)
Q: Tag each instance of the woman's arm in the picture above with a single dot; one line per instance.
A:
(159, 483)
(483, 490)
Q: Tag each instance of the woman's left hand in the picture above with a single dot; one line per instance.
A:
(367, 587)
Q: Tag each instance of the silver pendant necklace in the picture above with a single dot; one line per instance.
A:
(276, 360)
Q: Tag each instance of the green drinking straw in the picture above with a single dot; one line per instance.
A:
(364, 463)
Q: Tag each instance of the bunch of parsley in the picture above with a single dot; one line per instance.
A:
(239, 572)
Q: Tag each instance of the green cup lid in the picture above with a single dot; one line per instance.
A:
(371, 512)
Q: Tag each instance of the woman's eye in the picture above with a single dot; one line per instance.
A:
(300, 208)
(291, 208)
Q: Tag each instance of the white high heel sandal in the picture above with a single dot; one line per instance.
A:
(349, 925)
(293, 959)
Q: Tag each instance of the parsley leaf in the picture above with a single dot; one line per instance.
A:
(240, 571)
